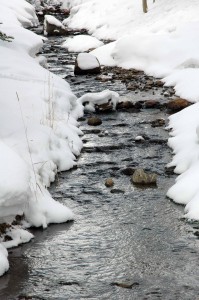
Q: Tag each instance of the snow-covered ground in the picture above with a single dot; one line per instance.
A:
(38, 128)
(164, 43)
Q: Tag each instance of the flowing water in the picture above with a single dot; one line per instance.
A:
(126, 242)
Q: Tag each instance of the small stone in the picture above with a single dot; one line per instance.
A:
(109, 182)
(159, 83)
(105, 107)
(140, 177)
(177, 104)
(132, 87)
(128, 171)
(124, 105)
(158, 123)
(169, 170)
(152, 104)
(94, 121)
(126, 285)
(139, 104)
(149, 82)
(117, 191)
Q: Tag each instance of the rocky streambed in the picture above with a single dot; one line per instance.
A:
(127, 241)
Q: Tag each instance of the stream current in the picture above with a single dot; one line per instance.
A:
(126, 242)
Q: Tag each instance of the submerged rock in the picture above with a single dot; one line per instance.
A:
(124, 105)
(126, 285)
(140, 177)
(151, 104)
(117, 191)
(105, 107)
(109, 182)
(128, 171)
(94, 121)
(158, 123)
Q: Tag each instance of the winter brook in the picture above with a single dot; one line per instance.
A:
(128, 241)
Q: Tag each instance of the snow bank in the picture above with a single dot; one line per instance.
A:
(38, 128)
(185, 142)
(81, 43)
(113, 19)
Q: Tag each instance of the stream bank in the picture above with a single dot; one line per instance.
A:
(127, 242)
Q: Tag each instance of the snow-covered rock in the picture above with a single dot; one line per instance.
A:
(90, 100)
(53, 26)
(86, 63)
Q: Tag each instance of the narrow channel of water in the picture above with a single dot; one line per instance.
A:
(126, 242)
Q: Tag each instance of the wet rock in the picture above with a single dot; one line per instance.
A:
(149, 82)
(151, 104)
(126, 285)
(105, 107)
(3, 228)
(128, 171)
(81, 119)
(159, 83)
(69, 283)
(18, 219)
(24, 297)
(132, 87)
(124, 105)
(94, 121)
(109, 182)
(177, 104)
(158, 123)
(139, 104)
(92, 131)
(140, 177)
(117, 191)
(169, 170)
(7, 238)
(86, 63)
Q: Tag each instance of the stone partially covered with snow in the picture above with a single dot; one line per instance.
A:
(81, 43)
(86, 63)
(90, 100)
(52, 26)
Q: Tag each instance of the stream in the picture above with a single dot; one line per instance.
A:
(127, 242)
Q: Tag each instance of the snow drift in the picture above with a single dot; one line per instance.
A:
(38, 128)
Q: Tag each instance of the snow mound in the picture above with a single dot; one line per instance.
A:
(39, 133)
(87, 61)
(81, 43)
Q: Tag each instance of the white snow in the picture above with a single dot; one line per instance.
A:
(38, 128)
(52, 20)
(87, 61)
(81, 43)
